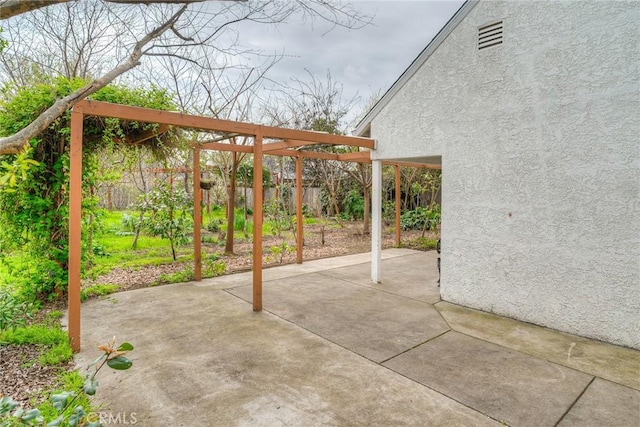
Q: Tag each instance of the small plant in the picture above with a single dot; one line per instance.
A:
(98, 291)
(279, 252)
(65, 412)
(213, 267)
(214, 225)
(184, 275)
(13, 312)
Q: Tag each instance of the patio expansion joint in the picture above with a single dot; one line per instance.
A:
(576, 400)
(372, 287)
(415, 346)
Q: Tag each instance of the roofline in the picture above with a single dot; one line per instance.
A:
(364, 125)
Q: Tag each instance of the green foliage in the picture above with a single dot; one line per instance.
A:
(53, 338)
(421, 218)
(238, 221)
(213, 267)
(65, 407)
(421, 243)
(279, 219)
(10, 173)
(214, 225)
(3, 42)
(34, 183)
(184, 275)
(13, 311)
(98, 291)
(170, 215)
(279, 252)
(353, 204)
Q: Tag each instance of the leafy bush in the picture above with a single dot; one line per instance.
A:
(353, 204)
(421, 218)
(170, 218)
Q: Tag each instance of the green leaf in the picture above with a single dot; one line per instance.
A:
(90, 386)
(59, 400)
(125, 346)
(32, 415)
(57, 422)
(76, 417)
(120, 363)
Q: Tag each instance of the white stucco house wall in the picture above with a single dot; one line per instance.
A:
(538, 134)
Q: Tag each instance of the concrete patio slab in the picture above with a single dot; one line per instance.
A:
(203, 358)
(615, 363)
(375, 324)
(417, 282)
(292, 270)
(605, 404)
(504, 384)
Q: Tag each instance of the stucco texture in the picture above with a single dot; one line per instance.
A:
(539, 139)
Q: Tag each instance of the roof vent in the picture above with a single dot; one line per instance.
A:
(490, 35)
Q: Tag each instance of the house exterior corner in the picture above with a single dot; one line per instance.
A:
(540, 148)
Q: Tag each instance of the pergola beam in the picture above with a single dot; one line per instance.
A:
(105, 109)
(226, 147)
(305, 154)
(412, 164)
(289, 143)
(359, 156)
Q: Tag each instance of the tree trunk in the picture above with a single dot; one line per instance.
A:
(367, 197)
(231, 192)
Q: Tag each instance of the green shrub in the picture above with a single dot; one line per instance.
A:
(421, 218)
(353, 204)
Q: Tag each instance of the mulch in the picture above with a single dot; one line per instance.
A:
(23, 377)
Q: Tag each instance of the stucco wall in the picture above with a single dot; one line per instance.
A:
(540, 145)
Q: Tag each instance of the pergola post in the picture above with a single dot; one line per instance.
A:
(197, 216)
(397, 177)
(376, 223)
(75, 228)
(299, 219)
(257, 223)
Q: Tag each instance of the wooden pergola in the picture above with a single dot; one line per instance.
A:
(267, 140)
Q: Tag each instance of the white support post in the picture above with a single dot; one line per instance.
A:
(376, 223)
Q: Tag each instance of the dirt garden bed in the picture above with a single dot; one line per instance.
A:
(320, 242)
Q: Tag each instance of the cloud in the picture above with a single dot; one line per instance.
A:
(364, 61)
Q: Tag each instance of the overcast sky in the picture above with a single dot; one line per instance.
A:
(364, 61)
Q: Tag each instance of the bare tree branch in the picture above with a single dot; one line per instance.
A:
(15, 142)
